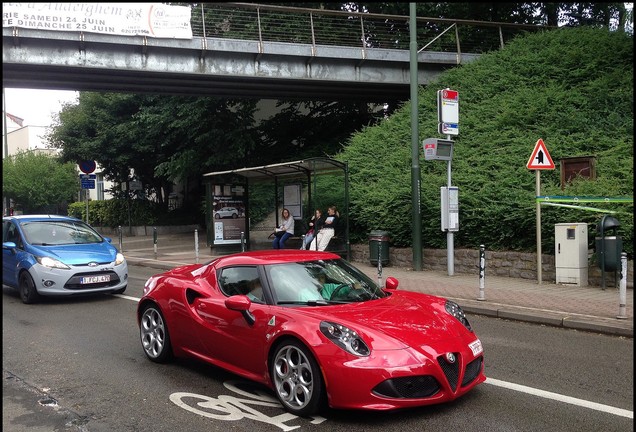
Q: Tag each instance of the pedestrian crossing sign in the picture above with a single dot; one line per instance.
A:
(540, 158)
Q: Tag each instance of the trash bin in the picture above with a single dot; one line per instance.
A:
(379, 247)
(608, 247)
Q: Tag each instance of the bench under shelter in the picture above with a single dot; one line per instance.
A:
(297, 179)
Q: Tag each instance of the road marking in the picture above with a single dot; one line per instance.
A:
(124, 296)
(561, 398)
(232, 408)
(529, 390)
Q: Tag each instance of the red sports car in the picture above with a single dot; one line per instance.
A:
(314, 329)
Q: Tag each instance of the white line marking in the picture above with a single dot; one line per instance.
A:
(124, 296)
(561, 398)
(529, 390)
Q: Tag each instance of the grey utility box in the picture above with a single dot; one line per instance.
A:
(570, 253)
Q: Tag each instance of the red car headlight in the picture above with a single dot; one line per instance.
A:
(455, 310)
(345, 338)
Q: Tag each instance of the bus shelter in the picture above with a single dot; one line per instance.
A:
(227, 200)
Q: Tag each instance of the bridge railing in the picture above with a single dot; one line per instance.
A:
(316, 27)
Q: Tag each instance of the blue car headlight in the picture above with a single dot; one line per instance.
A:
(119, 259)
(52, 263)
(345, 338)
(456, 311)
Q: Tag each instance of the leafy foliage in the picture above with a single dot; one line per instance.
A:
(155, 139)
(114, 213)
(39, 183)
(558, 85)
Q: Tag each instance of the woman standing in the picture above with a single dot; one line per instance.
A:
(328, 230)
(284, 231)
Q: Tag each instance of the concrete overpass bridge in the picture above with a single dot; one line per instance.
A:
(253, 51)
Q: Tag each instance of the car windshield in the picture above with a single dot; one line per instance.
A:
(50, 233)
(321, 282)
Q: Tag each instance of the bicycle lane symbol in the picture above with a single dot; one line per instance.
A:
(231, 408)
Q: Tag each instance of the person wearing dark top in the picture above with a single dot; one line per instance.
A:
(315, 224)
(328, 230)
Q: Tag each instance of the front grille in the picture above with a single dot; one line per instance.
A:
(472, 371)
(74, 282)
(426, 385)
(451, 370)
(408, 387)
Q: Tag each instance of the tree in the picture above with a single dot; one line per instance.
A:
(557, 85)
(39, 183)
(163, 139)
(156, 139)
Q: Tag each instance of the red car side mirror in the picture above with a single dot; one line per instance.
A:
(391, 283)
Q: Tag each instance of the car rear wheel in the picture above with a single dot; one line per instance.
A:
(28, 292)
(297, 380)
(154, 334)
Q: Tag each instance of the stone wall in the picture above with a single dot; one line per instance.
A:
(508, 264)
(147, 230)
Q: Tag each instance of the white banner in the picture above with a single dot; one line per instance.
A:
(129, 19)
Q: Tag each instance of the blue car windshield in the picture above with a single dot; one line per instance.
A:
(53, 233)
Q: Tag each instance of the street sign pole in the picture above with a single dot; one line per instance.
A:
(540, 159)
(87, 167)
(86, 194)
(416, 216)
(450, 239)
(448, 123)
(538, 222)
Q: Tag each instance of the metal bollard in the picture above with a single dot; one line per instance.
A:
(196, 246)
(482, 272)
(622, 290)
(302, 242)
(121, 244)
(379, 267)
(242, 241)
(154, 240)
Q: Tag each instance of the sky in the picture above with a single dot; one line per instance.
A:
(36, 106)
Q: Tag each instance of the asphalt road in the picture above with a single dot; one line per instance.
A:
(77, 365)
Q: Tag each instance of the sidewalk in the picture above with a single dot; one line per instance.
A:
(583, 308)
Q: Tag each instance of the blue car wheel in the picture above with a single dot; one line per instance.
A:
(28, 292)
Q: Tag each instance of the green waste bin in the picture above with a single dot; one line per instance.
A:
(608, 247)
(608, 250)
(379, 247)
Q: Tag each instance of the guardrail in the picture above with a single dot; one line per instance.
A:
(270, 23)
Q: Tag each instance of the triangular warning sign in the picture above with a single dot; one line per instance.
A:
(540, 158)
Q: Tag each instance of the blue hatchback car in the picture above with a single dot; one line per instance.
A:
(50, 255)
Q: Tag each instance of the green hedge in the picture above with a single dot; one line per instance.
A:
(113, 213)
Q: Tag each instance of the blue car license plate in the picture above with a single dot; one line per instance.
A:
(94, 279)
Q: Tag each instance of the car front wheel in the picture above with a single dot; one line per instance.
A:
(297, 380)
(155, 339)
(28, 292)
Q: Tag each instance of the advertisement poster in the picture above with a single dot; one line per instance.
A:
(155, 20)
(228, 214)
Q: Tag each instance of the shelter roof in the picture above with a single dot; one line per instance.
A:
(299, 168)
